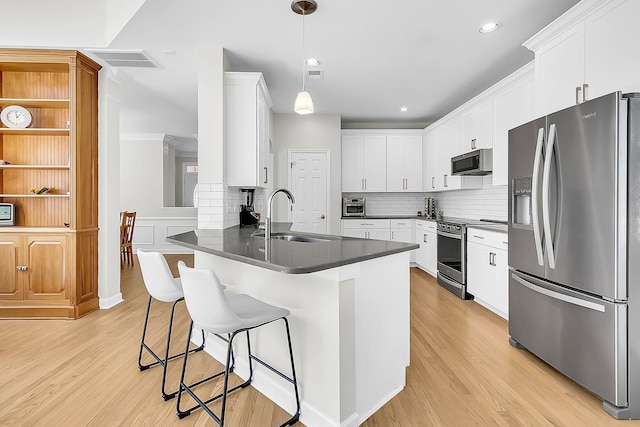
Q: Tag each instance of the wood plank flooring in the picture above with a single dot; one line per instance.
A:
(463, 371)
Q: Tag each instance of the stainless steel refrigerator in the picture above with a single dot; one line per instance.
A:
(574, 245)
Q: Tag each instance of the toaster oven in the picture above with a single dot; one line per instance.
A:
(353, 207)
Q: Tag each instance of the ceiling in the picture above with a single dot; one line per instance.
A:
(377, 55)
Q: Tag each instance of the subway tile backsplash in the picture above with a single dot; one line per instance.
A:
(489, 202)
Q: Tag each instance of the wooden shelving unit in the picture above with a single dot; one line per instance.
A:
(48, 260)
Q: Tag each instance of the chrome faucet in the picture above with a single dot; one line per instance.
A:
(267, 221)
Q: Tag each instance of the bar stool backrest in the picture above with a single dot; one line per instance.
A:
(157, 277)
(206, 302)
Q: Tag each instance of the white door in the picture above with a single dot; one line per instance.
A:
(189, 181)
(308, 181)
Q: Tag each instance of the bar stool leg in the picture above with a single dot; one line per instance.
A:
(296, 416)
(144, 333)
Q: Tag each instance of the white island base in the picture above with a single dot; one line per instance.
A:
(349, 329)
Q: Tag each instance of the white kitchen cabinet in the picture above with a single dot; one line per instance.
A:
(513, 106)
(401, 230)
(488, 270)
(477, 128)
(247, 104)
(427, 254)
(364, 163)
(586, 53)
(443, 142)
(377, 229)
(404, 163)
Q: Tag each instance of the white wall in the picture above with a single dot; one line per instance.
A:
(313, 131)
(118, 13)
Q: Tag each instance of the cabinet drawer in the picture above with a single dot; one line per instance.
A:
(400, 223)
(422, 224)
(366, 223)
(495, 239)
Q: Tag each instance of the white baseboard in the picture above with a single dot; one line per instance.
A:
(106, 303)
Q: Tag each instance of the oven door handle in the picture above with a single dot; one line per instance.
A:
(451, 235)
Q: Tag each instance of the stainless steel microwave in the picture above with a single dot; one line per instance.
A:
(353, 206)
(7, 214)
(476, 163)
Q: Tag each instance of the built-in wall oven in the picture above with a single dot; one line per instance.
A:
(452, 258)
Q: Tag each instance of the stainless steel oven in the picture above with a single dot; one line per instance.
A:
(353, 207)
(452, 258)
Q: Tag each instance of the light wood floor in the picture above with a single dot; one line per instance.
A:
(463, 371)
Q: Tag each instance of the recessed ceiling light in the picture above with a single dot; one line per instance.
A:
(490, 27)
(404, 109)
(312, 62)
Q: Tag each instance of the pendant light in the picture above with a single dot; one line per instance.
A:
(304, 103)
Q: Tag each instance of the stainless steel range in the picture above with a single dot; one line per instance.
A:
(452, 256)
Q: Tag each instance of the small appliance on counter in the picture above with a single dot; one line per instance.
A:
(247, 215)
(353, 206)
(430, 207)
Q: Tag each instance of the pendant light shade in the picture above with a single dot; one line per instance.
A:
(304, 103)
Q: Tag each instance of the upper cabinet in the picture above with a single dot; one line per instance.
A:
(586, 53)
(477, 130)
(247, 106)
(364, 163)
(381, 160)
(404, 163)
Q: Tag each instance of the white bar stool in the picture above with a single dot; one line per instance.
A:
(163, 287)
(218, 313)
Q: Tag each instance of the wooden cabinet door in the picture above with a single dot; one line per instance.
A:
(432, 251)
(47, 264)
(10, 259)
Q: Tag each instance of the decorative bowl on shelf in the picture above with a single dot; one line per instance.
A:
(40, 190)
(4, 162)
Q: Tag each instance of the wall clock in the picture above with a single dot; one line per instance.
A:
(15, 116)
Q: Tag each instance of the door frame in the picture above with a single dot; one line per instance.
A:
(327, 153)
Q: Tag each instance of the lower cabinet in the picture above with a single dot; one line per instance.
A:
(37, 275)
(427, 254)
(488, 270)
(377, 229)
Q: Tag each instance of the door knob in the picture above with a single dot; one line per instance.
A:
(322, 216)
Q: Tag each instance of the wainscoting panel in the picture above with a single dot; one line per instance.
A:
(150, 232)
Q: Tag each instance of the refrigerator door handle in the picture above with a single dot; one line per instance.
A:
(537, 237)
(556, 295)
(546, 215)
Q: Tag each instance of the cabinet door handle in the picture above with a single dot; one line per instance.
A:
(473, 143)
(424, 238)
(585, 96)
(446, 184)
(392, 235)
(492, 258)
(365, 183)
(432, 184)
(578, 89)
(266, 174)
(478, 237)
(362, 183)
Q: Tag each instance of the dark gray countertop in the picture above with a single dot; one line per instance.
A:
(285, 256)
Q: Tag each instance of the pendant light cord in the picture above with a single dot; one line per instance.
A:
(303, 13)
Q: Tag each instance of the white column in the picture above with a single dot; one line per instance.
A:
(109, 189)
(212, 191)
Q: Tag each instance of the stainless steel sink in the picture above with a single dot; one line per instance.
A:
(293, 238)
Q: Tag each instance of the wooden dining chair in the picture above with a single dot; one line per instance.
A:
(127, 223)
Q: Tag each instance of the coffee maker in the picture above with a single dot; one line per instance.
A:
(247, 215)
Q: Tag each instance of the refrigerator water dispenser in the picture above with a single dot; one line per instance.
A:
(521, 205)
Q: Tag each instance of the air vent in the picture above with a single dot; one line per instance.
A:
(124, 58)
(315, 74)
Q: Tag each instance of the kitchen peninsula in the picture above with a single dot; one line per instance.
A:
(349, 303)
